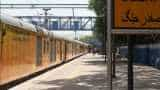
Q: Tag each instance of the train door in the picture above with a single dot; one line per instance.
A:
(2, 34)
(73, 49)
(66, 53)
(53, 51)
(64, 50)
(57, 50)
(70, 49)
(0, 43)
(61, 50)
(0, 52)
(39, 51)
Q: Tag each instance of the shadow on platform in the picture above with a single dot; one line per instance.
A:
(86, 82)
(146, 78)
(94, 81)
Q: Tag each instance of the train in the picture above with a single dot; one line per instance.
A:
(145, 54)
(27, 48)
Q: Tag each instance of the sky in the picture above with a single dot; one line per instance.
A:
(55, 12)
(46, 1)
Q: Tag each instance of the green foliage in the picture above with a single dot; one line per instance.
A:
(87, 38)
(99, 7)
(100, 28)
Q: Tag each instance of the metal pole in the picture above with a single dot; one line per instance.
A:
(91, 23)
(105, 41)
(73, 12)
(130, 62)
(109, 28)
(60, 23)
(75, 31)
(46, 18)
(113, 57)
(114, 63)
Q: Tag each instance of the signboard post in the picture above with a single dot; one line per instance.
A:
(130, 63)
(135, 17)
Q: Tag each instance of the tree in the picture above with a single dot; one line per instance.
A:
(87, 39)
(92, 40)
(99, 6)
(100, 30)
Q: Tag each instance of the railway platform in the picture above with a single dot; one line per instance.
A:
(89, 73)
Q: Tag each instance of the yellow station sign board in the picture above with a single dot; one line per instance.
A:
(136, 14)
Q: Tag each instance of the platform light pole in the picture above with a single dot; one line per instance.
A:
(75, 31)
(46, 18)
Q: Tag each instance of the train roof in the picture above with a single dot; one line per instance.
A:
(30, 27)
(60, 37)
(16, 22)
(52, 34)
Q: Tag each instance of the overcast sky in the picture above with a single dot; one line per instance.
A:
(55, 12)
(46, 1)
